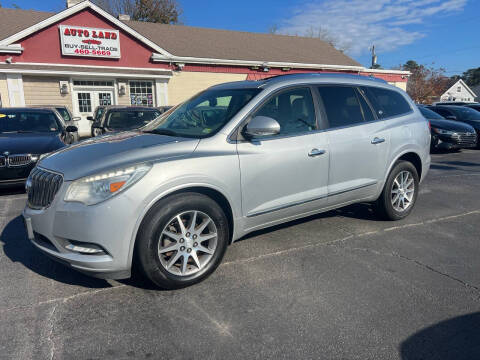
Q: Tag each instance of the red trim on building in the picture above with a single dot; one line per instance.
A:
(44, 46)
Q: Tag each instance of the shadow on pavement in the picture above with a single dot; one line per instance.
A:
(457, 338)
(16, 190)
(18, 248)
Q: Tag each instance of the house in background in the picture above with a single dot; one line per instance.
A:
(458, 92)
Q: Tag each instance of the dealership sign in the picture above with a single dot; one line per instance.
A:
(91, 42)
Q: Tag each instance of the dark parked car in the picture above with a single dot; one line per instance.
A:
(66, 115)
(124, 118)
(473, 106)
(26, 134)
(448, 134)
(459, 113)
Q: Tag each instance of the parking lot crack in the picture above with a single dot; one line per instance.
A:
(51, 325)
(416, 262)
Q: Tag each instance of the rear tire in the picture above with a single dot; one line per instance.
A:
(173, 255)
(400, 192)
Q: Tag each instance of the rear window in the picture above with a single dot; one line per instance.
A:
(387, 103)
(23, 121)
(429, 114)
(341, 105)
(131, 119)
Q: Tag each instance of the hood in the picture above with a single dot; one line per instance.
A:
(30, 143)
(113, 151)
(474, 123)
(451, 125)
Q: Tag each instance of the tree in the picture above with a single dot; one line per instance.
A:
(158, 11)
(425, 82)
(471, 76)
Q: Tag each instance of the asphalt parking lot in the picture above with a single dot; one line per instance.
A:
(341, 285)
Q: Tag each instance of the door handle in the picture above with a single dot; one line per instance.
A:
(316, 152)
(377, 140)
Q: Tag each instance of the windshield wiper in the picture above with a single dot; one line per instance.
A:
(162, 132)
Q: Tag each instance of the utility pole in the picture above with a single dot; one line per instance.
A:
(374, 57)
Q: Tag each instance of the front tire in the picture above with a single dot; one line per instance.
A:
(182, 240)
(400, 192)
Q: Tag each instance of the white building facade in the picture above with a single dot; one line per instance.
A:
(458, 92)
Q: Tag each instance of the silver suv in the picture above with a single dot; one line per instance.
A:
(235, 158)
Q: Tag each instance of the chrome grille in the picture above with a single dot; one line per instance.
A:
(42, 186)
(466, 139)
(19, 160)
(3, 161)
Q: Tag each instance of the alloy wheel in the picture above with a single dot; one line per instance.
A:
(403, 190)
(187, 243)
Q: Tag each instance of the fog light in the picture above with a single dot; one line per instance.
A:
(84, 248)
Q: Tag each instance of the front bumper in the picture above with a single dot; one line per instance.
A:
(448, 142)
(109, 225)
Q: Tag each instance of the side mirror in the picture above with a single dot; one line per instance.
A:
(89, 118)
(451, 117)
(71, 129)
(261, 126)
(78, 118)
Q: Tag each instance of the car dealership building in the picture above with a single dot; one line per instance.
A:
(84, 57)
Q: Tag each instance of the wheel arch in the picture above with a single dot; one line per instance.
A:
(214, 193)
(410, 156)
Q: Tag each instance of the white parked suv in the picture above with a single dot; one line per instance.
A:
(170, 197)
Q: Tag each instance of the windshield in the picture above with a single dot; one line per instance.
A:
(429, 114)
(129, 119)
(64, 113)
(203, 115)
(22, 121)
(465, 113)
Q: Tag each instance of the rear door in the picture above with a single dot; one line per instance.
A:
(358, 144)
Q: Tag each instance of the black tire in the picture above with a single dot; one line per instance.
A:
(147, 258)
(384, 206)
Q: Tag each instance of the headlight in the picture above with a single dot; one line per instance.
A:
(443, 132)
(94, 189)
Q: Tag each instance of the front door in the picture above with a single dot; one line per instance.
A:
(284, 175)
(86, 102)
(358, 144)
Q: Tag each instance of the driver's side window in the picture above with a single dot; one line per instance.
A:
(292, 109)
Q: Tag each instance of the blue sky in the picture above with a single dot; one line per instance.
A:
(429, 31)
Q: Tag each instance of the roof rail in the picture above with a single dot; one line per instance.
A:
(307, 75)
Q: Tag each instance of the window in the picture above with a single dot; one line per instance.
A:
(387, 103)
(28, 121)
(293, 109)
(93, 83)
(459, 89)
(65, 114)
(105, 99)
(203, 115)
(443, 112)
(84, 103)
(130, 119)
(141, 93)
(366, 110)
(341, 105)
